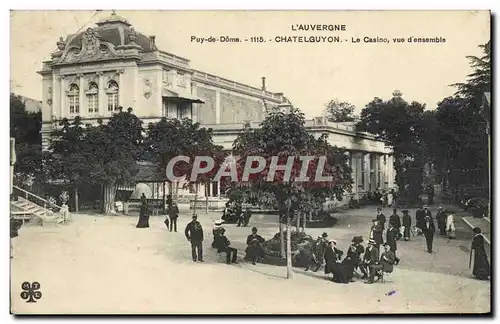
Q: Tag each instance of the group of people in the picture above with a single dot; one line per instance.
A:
(233, 211)
(170, 218)
(368, 261)
(254, 250)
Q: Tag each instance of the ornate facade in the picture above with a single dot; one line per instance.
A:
(97, 70)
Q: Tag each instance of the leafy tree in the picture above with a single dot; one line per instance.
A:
(25, 127)
(400, 124)
(284, 135)
(67, 159)
(170, 138)
(339, 111)
(112, 150)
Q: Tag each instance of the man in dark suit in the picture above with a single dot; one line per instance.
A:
(174, 214)
(381, 217)
(371, 260)
(420, 217)
(441, 220)
(391, 235)
(223, 245)
(194, 234)
(428, 231)
(376, 233)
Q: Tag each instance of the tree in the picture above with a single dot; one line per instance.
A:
(112, 151)
(285, 136)
(170, 138)
(339, 111)
(67, 159)
(25, 128)
(401, 125)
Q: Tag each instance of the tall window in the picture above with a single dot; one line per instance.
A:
(93, 98)
(112, 92)
(74, 99)
(363, 171)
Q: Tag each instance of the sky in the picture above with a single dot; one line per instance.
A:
(309, 74)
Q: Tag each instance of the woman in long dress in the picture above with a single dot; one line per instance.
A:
(144, 214)
(450, 224)
(481, 269)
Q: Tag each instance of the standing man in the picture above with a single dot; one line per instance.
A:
(194, 234)
(427, 212)
(407, 225)
(376, 234)
(392, 233)
(430, 194)
(381, 217)
(441, 220)
(174, 214)
(428, 231)
(394, 219)
(420, 217)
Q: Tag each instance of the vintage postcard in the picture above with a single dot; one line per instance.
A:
(250, 162)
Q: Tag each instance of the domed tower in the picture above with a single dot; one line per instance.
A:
(98, 69)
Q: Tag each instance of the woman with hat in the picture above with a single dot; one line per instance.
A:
(353, 256)
(481, 269)
(332, 262)
(450, 224)
(318, 252)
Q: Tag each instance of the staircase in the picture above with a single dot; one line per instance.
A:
(28, 206)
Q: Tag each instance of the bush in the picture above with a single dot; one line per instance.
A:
(478, 207)
(272, 247)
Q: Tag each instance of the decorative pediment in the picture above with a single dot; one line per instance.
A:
(92, 48)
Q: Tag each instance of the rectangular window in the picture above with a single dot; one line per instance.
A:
(74, 105)
(93, 103)
(112, 102)
(166, 77)
(181, 80)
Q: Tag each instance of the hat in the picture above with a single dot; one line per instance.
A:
(425, 206)
(372, 242)
(333, 241)
(254, 229)
(324, 235)
(405, 211)
(374, 220)
(357, 239)
(218, 222)
(476, 230)
(440, 207)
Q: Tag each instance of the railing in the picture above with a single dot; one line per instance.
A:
(47, 205)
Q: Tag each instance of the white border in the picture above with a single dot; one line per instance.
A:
(184, 4)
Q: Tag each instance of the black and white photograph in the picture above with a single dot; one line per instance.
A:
(244, 162)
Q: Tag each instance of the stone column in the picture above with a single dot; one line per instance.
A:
(218, 189)
(217, 107)
(121, 88)
(62, 99)
(81, 97)
(101, 99)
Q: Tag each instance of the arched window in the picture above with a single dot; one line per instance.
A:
(112, 93)
(93, 98)
(74, 99)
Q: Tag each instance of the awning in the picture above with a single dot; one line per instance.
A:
(180, 95)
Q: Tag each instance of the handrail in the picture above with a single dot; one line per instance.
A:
(45, 201)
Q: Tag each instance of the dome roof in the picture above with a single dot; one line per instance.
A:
(115, 30)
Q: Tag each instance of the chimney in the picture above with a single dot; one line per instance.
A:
(152, 42)
(264, 83)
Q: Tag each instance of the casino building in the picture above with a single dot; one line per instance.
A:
(94, 71)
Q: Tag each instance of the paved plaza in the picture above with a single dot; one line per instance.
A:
(103, 264)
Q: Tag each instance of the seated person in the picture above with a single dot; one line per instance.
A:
(217, 230)
(254, 251)
(332, 263)
(222, 244)
(371, 261)
(387, 260)
(317, 252)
